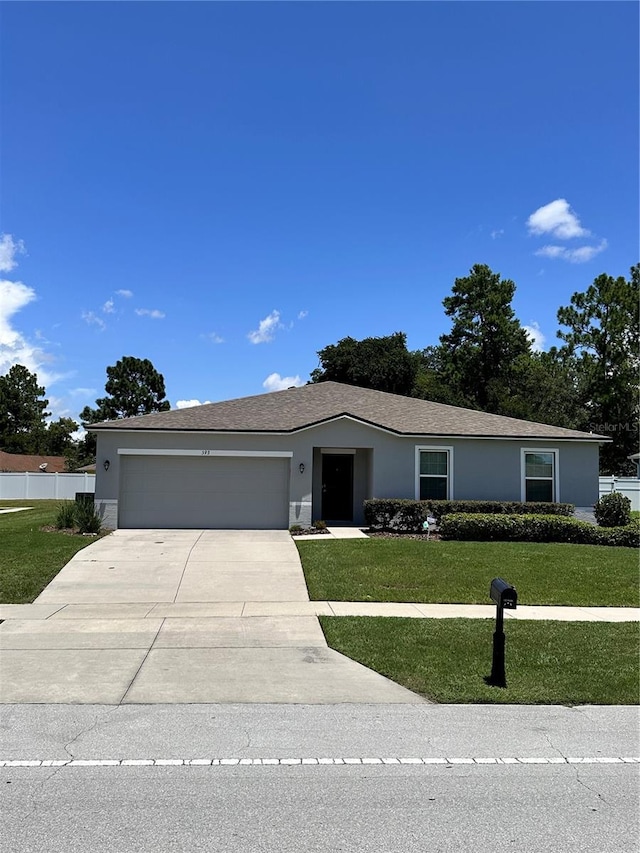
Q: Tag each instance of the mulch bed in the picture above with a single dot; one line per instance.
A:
(378, 534)
(388, 534)
(68, 531)
(309, 531)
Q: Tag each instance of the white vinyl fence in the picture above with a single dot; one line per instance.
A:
(628, 486)
(33, 487)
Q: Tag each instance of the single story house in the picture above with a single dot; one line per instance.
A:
(317, 452)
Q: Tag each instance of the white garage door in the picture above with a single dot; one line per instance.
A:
(209, 492)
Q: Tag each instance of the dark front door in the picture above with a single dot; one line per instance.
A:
(337, 487)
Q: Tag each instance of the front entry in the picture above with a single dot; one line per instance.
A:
(337, 487)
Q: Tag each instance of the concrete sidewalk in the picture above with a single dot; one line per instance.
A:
(297, 609)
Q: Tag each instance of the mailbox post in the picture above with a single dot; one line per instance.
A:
(504, 595)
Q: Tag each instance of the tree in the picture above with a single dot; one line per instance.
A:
(603, 334)
(58, 436)
(134, 387)
(81, 452)
(22, 411)
(548, 386)
(477, 359)
(384, 364)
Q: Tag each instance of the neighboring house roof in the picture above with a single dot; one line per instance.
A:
(298, 408)
(18, 463)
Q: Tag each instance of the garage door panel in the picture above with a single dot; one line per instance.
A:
(210, 492)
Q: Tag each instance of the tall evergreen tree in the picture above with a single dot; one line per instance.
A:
(22, 412)
(477, 359)
(134, 387)
(603, 334)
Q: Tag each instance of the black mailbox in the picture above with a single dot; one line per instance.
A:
(503, 594)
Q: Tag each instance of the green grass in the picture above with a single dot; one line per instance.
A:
(461, 572)
(447, 660)
(29, 557)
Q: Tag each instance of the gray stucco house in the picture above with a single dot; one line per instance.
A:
(317, 452)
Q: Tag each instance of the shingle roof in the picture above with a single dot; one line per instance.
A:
(297, 408)
(19, 463)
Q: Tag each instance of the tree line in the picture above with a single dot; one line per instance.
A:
(485, 362)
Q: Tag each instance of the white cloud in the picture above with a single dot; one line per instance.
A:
(58, 408)
(150, 312)
(536, 337)
(581, 255)
(15, 348)
(9, 248)
(14, 295)
(92, 319)
(551, 251)
(302, 314)
(108, 307)
(557, 219)
(82, 392)
(498, 232)
(266, 330)
(126, 293)
(275, 382)
(189, 404)
(214, 338)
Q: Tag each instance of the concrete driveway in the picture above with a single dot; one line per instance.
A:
(181, 616)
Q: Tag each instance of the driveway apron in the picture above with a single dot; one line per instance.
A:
(181, 616)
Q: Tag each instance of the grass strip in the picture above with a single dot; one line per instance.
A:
(29, 557)
(447, 660)
(461, 572)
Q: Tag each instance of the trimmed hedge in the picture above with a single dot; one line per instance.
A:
(441, 508)
(409, 515)
(535, 528)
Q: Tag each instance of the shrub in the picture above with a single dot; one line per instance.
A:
(395, 514)
(409, 515)
(535, 528)
(87, 518)
(319, 525)
(613, 510)
(66, 515)
(441, 508)
(295, 528)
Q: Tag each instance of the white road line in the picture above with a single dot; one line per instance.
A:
(314, 762)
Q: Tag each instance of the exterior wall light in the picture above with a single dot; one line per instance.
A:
(106, 464)
(301, 467)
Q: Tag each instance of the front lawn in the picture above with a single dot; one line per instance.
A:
(446, 660)
(461, 572)
(29, 557)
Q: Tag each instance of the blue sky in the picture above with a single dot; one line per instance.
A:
(226, 188)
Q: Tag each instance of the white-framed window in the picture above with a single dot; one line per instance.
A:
(434, 473)
(539, 471)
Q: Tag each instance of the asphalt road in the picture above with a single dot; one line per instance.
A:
(582, 797)
(298, 808)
